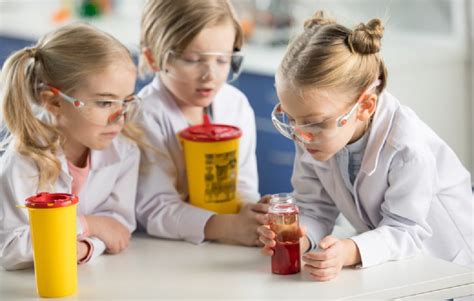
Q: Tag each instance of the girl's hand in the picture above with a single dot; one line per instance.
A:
(240, 228)
(325, 264)
(82, 249)
(115, 235)
(243, 228)
(265, 199)
(267, 237)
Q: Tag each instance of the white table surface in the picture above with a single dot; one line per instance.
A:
(161, 269)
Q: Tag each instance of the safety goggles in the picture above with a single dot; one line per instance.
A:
(314, 133)
(102, 112)
(192, 66)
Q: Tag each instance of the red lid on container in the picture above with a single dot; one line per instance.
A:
(211, 132)
(51, 200)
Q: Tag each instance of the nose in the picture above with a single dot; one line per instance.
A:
(304, 136)
(117, 116)
(208, 72)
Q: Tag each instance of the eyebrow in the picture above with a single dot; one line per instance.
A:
(111, 95)
(312, 115)
(309, 116)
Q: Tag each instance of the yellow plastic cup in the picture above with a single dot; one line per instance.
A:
(211, 152)
(53, 233)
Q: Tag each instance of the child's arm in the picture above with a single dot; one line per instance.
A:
(114, 235)
(238, 228)
(407, 201)
(18, 181)
(114, 220)
(333, 254)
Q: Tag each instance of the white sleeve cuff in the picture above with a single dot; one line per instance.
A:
(192, 223)
(99, 247)
(314, 230)
(372, 248)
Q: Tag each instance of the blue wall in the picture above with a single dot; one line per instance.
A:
(275, 153)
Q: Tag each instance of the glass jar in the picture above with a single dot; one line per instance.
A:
(284, 221)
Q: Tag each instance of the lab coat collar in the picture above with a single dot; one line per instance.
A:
(387, 105)
(106, 157)
(98, 158)
(177, 118)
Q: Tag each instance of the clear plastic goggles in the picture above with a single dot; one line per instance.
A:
(103, 112)
(198, 66)
(314, 133)
(308, 133)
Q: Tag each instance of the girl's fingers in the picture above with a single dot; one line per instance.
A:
(261, 218)
(265, 231)
(324, 273)
(268, 242)
(321, 255)
(267, 251)
(321, 264)
(265, 199)
(327, 242)
(317, 278)
(316, 256)
(261, 207)
(320, 274)
(302, 231)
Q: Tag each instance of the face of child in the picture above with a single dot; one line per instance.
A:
(200, 91)
(115, 83)
(311, 105)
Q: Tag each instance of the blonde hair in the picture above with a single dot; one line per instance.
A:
(172, 25)
(62, 58)
(329, 55)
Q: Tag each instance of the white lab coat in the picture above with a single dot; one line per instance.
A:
(411, 195)
(162, 207)
(110, 190)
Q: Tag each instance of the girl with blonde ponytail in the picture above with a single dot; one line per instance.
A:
(66, 103)
(361, 153)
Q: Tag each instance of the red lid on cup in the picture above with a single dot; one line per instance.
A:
(51, 200)
(211, 133)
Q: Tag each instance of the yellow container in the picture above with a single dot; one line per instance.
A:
(211, 152)
(53, 234)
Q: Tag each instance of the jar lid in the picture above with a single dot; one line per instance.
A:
(282, 203)
(51, 200)
(211, 133)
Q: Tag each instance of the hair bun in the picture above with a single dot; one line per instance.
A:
(319, 18)
(366, 38)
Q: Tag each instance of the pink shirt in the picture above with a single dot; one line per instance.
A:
(79, 178)
(79, 175)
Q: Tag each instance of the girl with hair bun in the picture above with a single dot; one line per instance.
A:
(361, 153)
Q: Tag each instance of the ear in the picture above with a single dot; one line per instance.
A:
(148, 54)
(367, 107)
(50, 102)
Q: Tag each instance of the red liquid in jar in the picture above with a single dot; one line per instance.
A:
(286, 258)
